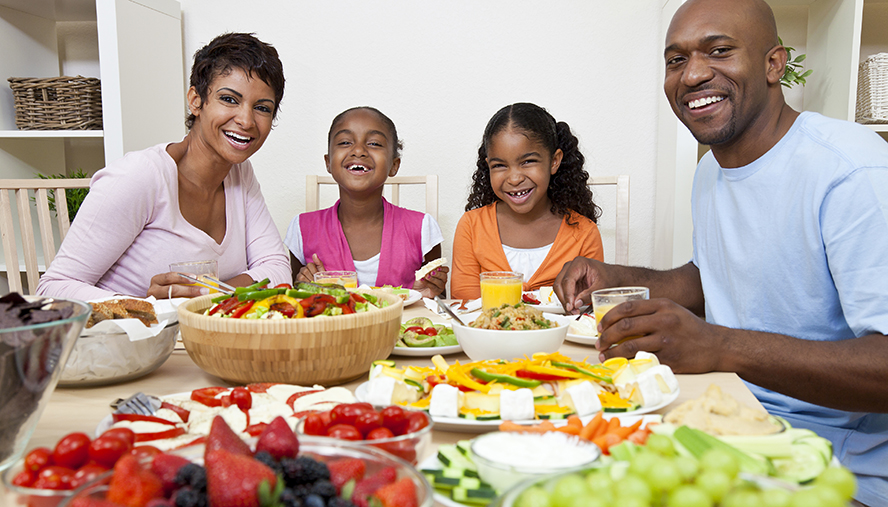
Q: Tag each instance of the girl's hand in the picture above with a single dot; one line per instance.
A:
(307, 273)
(434, 283)
(169, 285)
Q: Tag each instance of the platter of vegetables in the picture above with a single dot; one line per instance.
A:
(283, 301)
(420, 337)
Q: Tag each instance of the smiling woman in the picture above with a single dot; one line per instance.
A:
(196, 199)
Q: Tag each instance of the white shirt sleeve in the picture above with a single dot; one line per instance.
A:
(293, 240)
(431, 234)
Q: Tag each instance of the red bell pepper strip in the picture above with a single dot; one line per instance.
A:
(224, 306)
(538, 376)
(316, 304)
(286, 309)
(283, 286)
(158, 435)
(242, 309)
(207, 396)
(139, 417)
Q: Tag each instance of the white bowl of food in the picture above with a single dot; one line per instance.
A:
(506, 458)
(508, 332)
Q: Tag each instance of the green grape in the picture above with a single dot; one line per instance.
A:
(718, 459)
(829, 497)
(601, 485)
(805, 498)
(633, 486)
(533, 496)
(642, 462)
(840, 479)
(590, 501)
(567, 488)
(715, 483)
(775, 497)
(663, 475)
(742, 497)
(631, 501)
(660, 444)
(688, 496)
(687, 467)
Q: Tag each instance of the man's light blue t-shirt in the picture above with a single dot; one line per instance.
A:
(796, 243)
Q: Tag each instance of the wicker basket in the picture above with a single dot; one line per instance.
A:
(58, 103)
(325, 350)
(872, 90)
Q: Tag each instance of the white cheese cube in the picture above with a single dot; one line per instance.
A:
(583, 398)
(650, 392)
(664, 376)
(647, 355)
(516, 405)
(380, 390)
(445, 401)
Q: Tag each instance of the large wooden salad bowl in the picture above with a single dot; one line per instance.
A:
(320, 350)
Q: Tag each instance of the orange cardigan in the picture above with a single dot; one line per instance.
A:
(477, 248)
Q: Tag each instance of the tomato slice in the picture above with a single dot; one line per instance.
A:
(159, 435)
(416, 329)
(529, 299)
(207, 396)
(140, 417)
(181, 412)
(260, 387)
(293, 397)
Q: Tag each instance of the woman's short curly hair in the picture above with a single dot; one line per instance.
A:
(567, 187)
(236, 51)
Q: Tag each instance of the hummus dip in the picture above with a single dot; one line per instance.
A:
(718, 413)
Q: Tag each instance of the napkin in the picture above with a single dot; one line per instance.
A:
(165, 309)
(471, 305)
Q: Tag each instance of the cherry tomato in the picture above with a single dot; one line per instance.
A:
(395, 419)
(71, 451)
(415, 329)
(207, 396)
(241, 397)
(54, 477)
(344, 432)
(107, 449)
(314, 425)
(38, 458)
(283, 286)
(87, 473)
(379, 434)
(347, 413)
(368, 421)
(430, 331)
(25, 478)
(145, 453)
(404, 449)
(122, 433)
(416, 421)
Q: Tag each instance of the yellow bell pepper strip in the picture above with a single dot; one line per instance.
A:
(611, 400)
(561, 372)
(578, 369)
(456, 374)
(501, 377)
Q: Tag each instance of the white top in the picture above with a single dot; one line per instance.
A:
(526, 260)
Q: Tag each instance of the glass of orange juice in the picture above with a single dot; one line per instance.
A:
(605, 299)
(499, 288)
(348, 279)
(199, 269)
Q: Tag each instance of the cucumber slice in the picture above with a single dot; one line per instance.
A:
(805, 465)
(473, 496)
(418, 340)
(385, 362)
(449, 456)
(422, 322)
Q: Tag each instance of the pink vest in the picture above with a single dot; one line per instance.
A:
(400, 252)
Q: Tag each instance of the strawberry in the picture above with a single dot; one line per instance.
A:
(278, 440)
(367, 486)
(233, 479)
(222, 437)
(401, 493)
(131, 485)
(345, 469)
(166, 466)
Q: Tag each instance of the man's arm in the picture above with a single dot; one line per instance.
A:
(579, 277)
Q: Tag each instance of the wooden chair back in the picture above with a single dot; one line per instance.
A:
(313, 190)
(21, 190)
(621, 184)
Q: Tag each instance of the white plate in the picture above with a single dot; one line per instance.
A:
(582, 339)
(425, 351)
(460, 425)
(546, 307)
(412, 297)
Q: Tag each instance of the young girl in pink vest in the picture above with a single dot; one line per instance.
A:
(362, 232)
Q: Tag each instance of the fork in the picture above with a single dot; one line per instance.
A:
(139, 403)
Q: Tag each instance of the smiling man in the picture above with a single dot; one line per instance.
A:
(790, 218)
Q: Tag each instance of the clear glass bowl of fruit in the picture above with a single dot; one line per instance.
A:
(404, 433)
(274, 467)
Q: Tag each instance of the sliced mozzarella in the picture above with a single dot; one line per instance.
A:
(335, 394)
(445, 401)
(169, 415)
(583, 398)
(143, 426)
(235, 418)
(267, 413)
(282, 392)
(516, 405)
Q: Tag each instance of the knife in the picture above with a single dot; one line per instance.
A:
(447, 310)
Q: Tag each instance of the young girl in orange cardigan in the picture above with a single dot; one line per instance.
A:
(530, 210)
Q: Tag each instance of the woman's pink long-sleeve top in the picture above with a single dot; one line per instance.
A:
(130, 228)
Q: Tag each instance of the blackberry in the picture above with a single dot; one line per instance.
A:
(314, 500)
(290, 499)
(324, 488)
(303, 470)
(268, 460)
(192, 475)
(301, 490)
(186, 497)
(337, 501)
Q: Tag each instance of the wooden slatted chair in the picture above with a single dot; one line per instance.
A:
(621, 184)
(313, 190)
(20, 189)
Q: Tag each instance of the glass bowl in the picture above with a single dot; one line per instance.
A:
(321, 449)
(31, 362)
(409, 447)
(32, 497)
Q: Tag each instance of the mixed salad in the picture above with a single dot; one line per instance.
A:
(287, 302)
(422, 332)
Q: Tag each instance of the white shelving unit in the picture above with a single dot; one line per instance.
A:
(836, 35)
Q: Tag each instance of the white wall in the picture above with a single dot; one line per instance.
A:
(440, 69)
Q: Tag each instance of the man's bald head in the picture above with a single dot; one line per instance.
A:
(753, 18)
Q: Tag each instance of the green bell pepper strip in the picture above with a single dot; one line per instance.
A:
(260, 294)
(299, 294)
(500, 377)
(218, 299)
(251, 288)
(584, 371)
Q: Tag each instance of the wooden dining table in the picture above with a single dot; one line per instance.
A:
(73, 409)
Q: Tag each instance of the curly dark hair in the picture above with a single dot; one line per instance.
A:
(397, 144)
(236, 51)
(567, 187)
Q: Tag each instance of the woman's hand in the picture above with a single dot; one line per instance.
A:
(169, 285)
(434, 283)
(307, 273)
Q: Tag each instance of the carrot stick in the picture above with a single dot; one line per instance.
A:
(569, 429)
(601, 429)
(546, 426)
(639, 437)
(589, 429)
(613, 424)
(511, 426)
(574, 420)
(624, 432)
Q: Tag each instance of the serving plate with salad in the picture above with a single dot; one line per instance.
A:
(420, 337)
